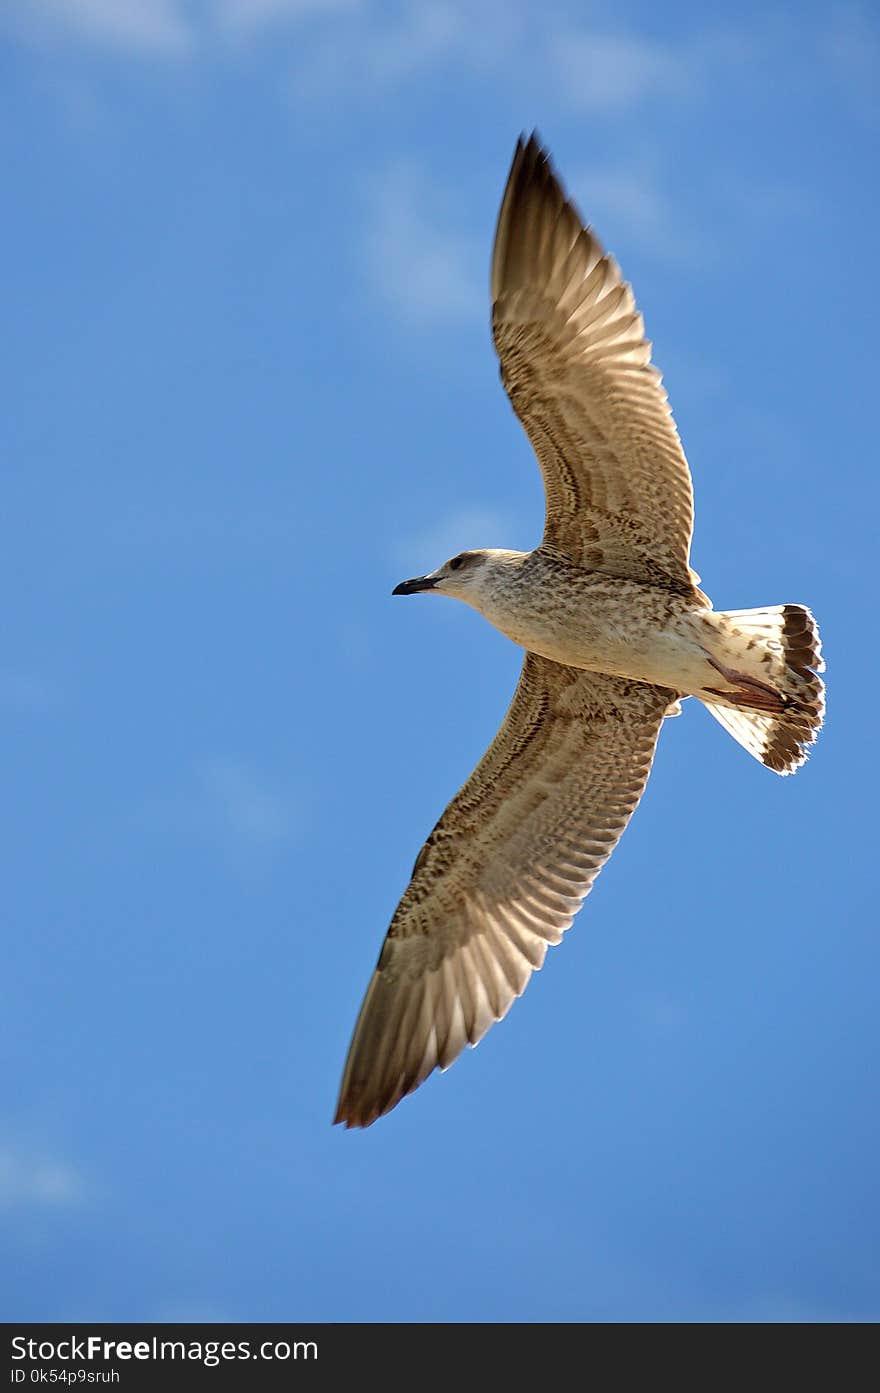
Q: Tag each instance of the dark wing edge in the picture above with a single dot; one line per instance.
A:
(502, 876)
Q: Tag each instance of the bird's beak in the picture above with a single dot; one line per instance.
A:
(412, 587)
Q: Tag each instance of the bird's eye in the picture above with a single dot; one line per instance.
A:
(455, 563)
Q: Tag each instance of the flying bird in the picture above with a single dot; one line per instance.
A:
(615, 630)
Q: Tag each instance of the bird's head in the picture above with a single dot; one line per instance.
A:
(466, 576)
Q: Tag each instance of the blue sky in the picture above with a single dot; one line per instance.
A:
(248, 386)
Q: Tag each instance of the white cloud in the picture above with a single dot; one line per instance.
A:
(613, 72)
(347, 39)
(425, 33)
(630, 202)
(473, 525)
(252, 811)
(421, 267)
(159, 28)
(346, 49)
(29, 1179)
(147, 26)
(255, 15)
(634, 201)
(349, 51)
(371, 52)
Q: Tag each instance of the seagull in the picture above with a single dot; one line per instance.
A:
(616, 632)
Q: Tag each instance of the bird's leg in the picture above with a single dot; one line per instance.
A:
(753, 693)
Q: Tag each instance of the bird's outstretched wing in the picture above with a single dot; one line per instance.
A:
(577, 368)
(502, 875)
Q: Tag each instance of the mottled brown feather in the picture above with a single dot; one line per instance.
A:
(502, 875)
(577, 368)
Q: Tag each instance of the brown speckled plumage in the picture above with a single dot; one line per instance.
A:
(577, 368)
(615, 631)
(502, 875)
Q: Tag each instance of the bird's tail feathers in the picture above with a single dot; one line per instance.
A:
(785, 640)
